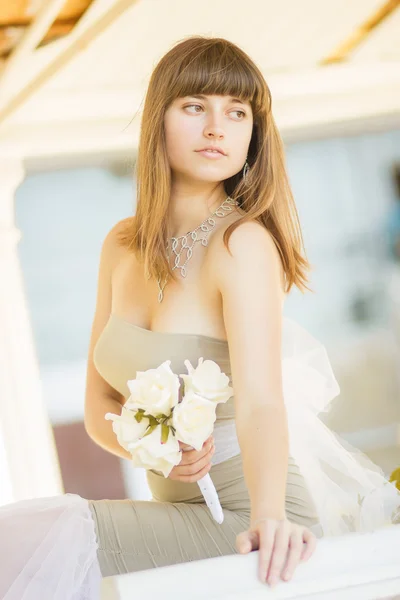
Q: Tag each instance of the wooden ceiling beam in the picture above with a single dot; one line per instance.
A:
(8, 39)
(19, 13)
(77, 42)
(360, 34)
(27, 44)
(22, 26)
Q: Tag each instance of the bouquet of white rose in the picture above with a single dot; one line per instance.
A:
(162, 411)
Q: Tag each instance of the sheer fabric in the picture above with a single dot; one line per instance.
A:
(48, 550)
(350, 492)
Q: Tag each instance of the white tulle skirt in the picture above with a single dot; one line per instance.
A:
(48, 546)
(350, 492)
(48, 550)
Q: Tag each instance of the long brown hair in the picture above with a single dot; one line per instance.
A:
(203, 65)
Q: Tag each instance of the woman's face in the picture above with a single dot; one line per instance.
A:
(196, 122)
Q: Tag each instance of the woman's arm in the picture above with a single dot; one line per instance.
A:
(100, 397)
(251, 283)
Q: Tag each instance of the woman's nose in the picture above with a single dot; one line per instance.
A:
(214, 132)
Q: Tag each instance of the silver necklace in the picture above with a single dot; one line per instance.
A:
(177, 245)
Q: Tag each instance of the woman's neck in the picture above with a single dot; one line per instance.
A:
(190, 207)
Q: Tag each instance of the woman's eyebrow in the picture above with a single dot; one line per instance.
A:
(202, 97)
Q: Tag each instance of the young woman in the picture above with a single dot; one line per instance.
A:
(202, 270)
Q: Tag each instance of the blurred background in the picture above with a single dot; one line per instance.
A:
(73, 75)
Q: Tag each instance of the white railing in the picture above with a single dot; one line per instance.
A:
(353, 567)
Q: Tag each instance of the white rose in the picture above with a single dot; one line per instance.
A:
(150, 453)
(126, 428)
(208, 381)
(193, 419)
(156, 391)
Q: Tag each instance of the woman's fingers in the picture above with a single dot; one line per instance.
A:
(247, 541)
(196, 476)
(191, 468)
(282, 546)
(294, 554)
(266, 531)
(194, 464)
(192, 476)
(279, 553)
(190, 457)
(310, 544)
(184, 446)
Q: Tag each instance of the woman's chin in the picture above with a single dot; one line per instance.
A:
(212, 175)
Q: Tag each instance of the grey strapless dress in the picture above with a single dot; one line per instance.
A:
(176, 525)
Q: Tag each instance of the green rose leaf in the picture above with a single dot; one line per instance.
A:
(164, 433)
(150, 429)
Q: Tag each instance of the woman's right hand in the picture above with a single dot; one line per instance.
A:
(194, 463)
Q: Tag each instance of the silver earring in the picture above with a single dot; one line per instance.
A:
(246, 169)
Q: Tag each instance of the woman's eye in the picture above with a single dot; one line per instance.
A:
(193, 106)
(240, 112)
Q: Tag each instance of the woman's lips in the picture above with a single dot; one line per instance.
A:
(211, 154)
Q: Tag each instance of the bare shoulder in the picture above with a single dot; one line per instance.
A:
(253, 236)
(250, 247)
(112, 249)
(112, 237)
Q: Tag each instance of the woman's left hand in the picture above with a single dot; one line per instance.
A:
(282, 546)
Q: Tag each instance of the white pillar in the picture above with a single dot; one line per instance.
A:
(29, 465)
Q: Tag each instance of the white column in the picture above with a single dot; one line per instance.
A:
(29, 465)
